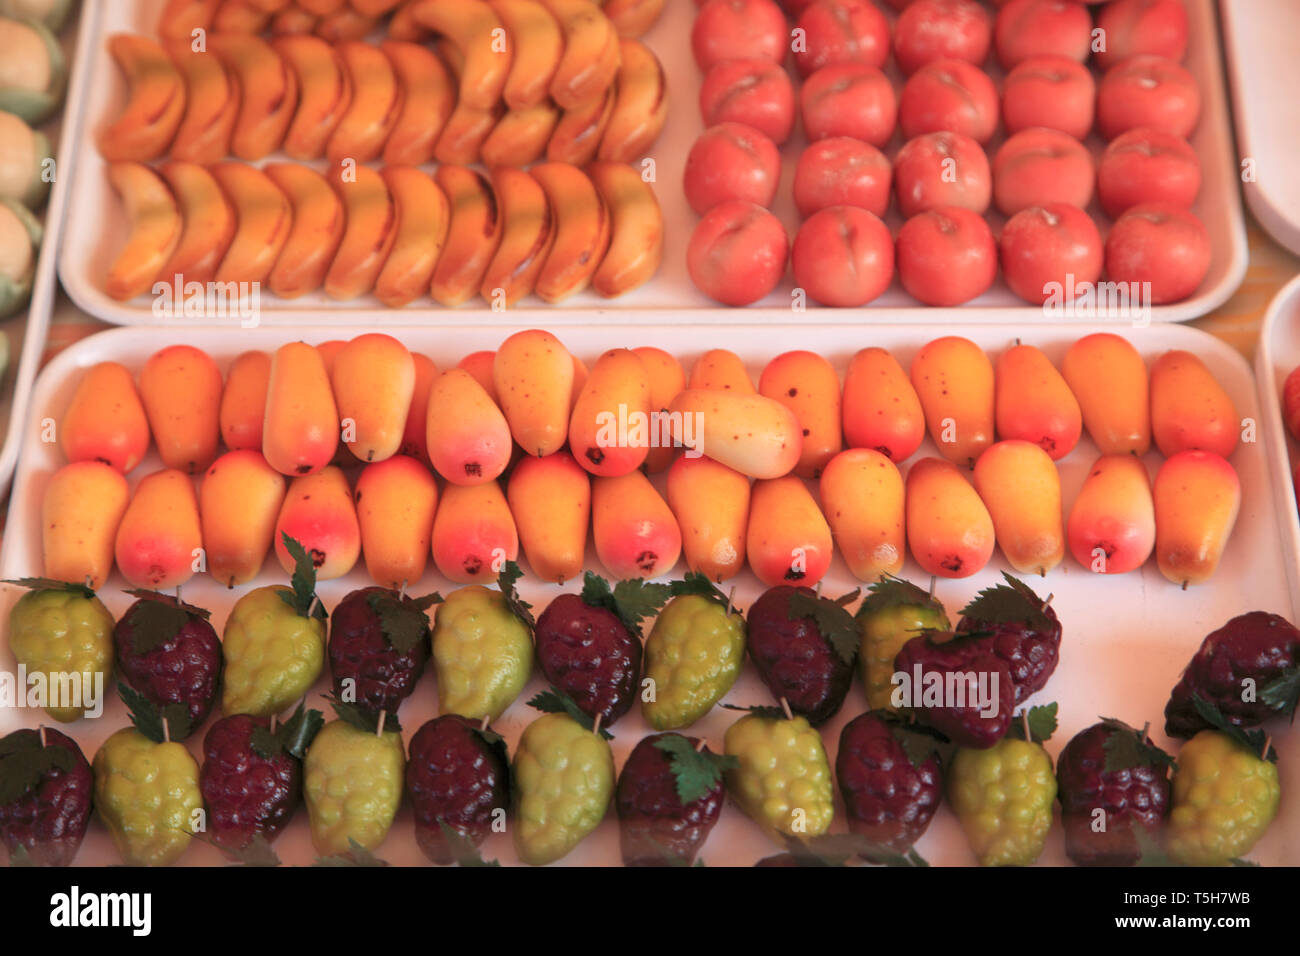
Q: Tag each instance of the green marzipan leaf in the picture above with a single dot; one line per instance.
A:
(1283, 692)
(24, 763)
(759, 710)
(506, 581)
(1150, 852)
(490, 736)
(631, 600)
(403, 625)
(696, 772)
(1252, 740)
(555, 701)
(463, 850)
(258, 852)
(1042, 724)
(148, 717)
(293, 736)
(19, 856)
(891, 591)
(835, 623)
(363, 719)
(302, 581)
(918, 741)
(157, 618)
(697, 583)
(49, 584)
(357, 855)
(836, 849)
(1011, 603)
(1126, 748)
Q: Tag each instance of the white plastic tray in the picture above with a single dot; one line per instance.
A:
(671, 295)
(1126, 638)
(1278, 353)
(27, 332)
(1259, 40)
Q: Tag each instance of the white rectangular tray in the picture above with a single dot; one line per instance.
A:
(671, 296)
(1126, 638)
(28, 331)
(1259, 39)
(1277, 354)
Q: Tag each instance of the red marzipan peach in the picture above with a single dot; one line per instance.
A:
(1133, 27)
(731, 29)
(842, 171)
(1161, 244)
(731, 161)
(1149, 91)
(1026, 28)
(1037, 167)
(942, 169)
(835, 31)
(738, 252)
(930, 30)
(1050, 91)
(946, 256)
(1147, 165)
(753, 91)
(1047, 244)
(849, 99)
(843, 256)
(949, 95)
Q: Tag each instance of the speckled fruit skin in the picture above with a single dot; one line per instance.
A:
(244, 792)
(563, 777)
(888, 799)
(883, 635)
(273, 654)
(1030, 654)
(50, 820)
(1225, 797)
(965, 725)
(1003, 797)
(794, 659)
(783, 770)
(146, 795)
(184, 670)
(655, 827)
(55, 631)
(587, 653)
(694, 654)
(1129, 797)
(358, 650)
(1257, 645)
(482, 652)
(454, 777)
(352, 780)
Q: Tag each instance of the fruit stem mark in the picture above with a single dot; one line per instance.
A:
(273, 719)
(1268, 745)
(41, 731)
(933, 580)
(379, 730)
(1184, 585)
(1024, 720)
(487, 719)
(595, 725)
(1049, 600)
(167, 733)
(699, 748)
(88, 587)
(401, 595)
(785, 705)
(315, 599)
(731, 597)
